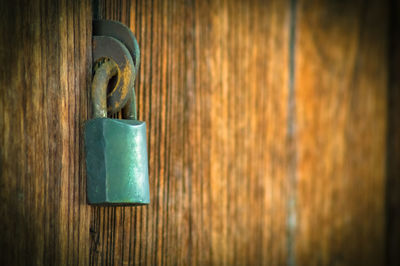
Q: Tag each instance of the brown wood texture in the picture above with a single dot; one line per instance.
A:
(45, 71)
(272, 134)
(341, 104)
(213, 89)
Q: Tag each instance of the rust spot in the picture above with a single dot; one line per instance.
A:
(121, 92)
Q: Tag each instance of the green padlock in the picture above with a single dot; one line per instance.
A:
(116, 152)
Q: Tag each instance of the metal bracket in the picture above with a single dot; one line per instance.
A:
(114, 41)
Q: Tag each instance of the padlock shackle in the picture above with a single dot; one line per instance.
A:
(101, 78)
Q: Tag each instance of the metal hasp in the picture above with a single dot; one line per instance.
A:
(116, 149)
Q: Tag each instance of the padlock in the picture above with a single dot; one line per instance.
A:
(116, 152)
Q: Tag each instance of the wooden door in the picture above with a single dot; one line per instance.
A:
(272, 134)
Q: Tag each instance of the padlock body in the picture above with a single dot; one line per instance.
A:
(116, 162)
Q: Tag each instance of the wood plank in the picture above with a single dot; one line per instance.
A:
(45, 71)
(341, 97)
(228, 151)
(212, 89)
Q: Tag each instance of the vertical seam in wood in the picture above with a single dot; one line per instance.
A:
(150, 126)
(95, 9)
(292, 155)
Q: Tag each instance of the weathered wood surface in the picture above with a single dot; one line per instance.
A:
(270, 133)
(341, 106)
(213, 89)
(45, 70)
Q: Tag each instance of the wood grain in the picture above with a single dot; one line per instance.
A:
(272, 134)
(341, 99)
(213, 89)
(45, 71)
